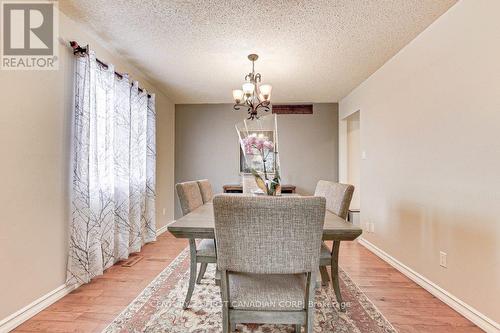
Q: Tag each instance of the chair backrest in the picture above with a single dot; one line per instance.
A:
(189, 195)
(268, 235)
(338, 196)
(206, 190)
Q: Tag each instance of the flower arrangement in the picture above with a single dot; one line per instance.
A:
(260, 145)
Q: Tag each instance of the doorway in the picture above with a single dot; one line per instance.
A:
(354, 157)
(350, 156)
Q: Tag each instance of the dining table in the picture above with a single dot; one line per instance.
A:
(199, 224)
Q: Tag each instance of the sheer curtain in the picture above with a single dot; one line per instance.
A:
(114, 157)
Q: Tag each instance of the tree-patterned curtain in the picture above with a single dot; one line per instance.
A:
(114, 157)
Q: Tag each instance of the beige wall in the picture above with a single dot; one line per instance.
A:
(35, 118)
(206, 145)
(431, 131)
(354, 157)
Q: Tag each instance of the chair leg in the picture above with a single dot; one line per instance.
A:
(226, 327)
(201, 274)
(310, 294)
(324, 275)
(309, 321)
(298, 328)
(192, 272)
(225, 321)
(335, 274)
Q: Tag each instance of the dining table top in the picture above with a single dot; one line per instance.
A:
(200, 224)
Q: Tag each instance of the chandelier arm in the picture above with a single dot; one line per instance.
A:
(263, 104)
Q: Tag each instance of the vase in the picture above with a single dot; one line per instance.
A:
(267, 186)
(259, 157)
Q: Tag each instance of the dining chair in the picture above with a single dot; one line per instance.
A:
(338, 198)
(268, 253)
(206, 190)
(191, 198)
(207, 196)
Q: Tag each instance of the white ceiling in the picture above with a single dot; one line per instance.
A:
(310, 51)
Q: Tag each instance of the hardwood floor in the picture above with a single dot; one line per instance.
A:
(92, 307)
(405, 304)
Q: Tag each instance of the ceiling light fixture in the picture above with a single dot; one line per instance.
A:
(253, 96)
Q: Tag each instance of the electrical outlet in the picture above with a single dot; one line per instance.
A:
(372, 227)
(442, 259)
(367, 226)
(164, 211)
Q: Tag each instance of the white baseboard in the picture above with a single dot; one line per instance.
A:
(483, 322)
(161, 230)
(19, 317)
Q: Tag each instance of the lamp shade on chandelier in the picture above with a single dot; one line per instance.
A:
(253, 96)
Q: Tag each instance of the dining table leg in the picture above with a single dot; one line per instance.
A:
(335, 274)
(192, 272)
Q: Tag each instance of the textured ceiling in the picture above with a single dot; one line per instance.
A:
(310, 51)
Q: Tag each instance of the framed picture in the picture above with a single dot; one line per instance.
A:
(255, 161)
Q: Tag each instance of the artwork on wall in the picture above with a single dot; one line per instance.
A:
(254, 161)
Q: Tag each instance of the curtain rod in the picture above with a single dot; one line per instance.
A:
(77, 49)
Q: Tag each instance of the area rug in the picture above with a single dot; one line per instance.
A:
(159, 307)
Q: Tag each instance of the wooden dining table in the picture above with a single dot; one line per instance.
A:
(199, 224)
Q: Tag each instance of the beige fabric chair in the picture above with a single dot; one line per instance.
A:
(205, 190)
(190, 198)
(268, 253)
(338, 198)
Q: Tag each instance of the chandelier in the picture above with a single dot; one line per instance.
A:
(253, 96)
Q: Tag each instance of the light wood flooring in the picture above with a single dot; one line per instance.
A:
(92, 307)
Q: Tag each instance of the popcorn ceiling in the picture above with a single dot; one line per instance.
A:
(310, 51)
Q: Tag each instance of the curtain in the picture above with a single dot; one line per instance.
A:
(114, 157)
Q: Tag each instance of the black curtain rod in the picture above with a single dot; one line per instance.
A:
(78, 50)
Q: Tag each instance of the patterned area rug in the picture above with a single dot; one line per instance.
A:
(159, 307)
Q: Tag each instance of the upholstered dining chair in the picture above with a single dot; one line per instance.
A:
(338, 198)
(207, 196)
(191, 198)
(206, 190)
(268, 253)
